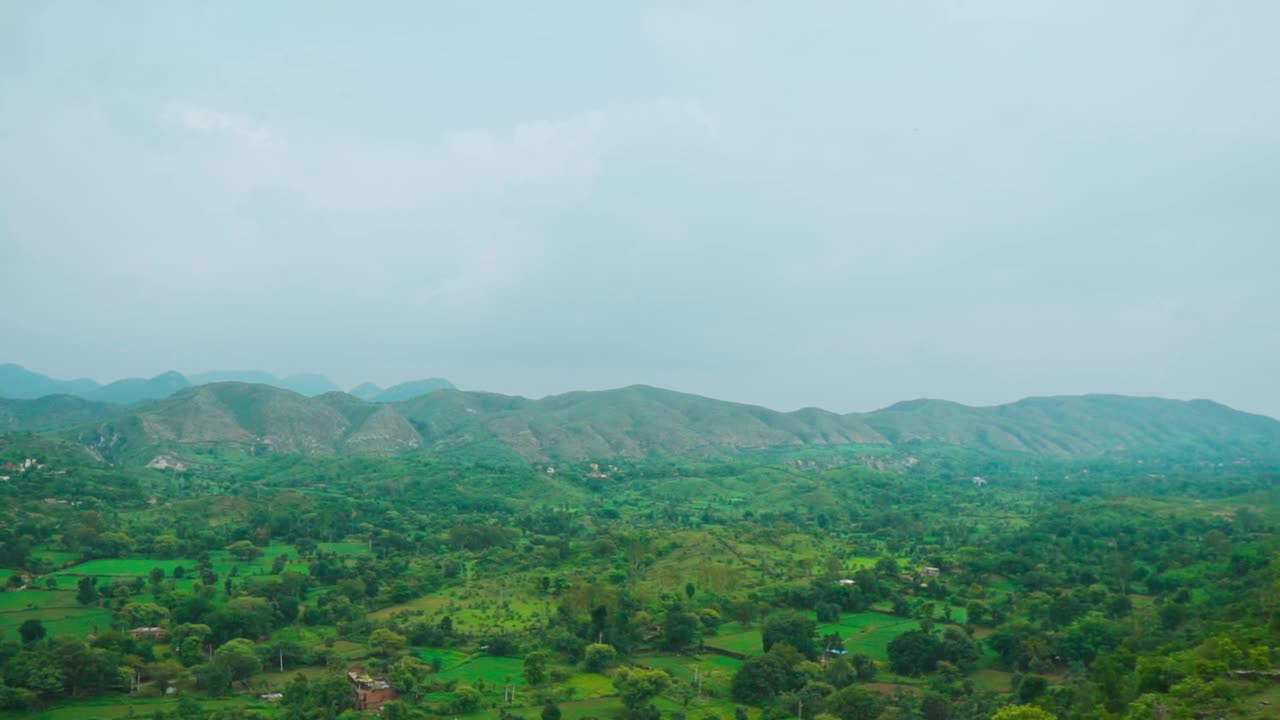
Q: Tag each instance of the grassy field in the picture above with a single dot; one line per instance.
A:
(590, 685)
(57, 558)
(449, 659)
(345, 548)
(59, 620)
(494, 671)
(746, 642)
(869, 633)
(223, 564)
(35, 599)
(108, 708)
(995, 680)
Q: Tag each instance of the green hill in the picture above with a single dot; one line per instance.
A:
(405, 391)
(50, 411)
(635, 422)
(20, 383)
(132, 390)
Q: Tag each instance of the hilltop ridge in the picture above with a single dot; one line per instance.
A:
(635, 421)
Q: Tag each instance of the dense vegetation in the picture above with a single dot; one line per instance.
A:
(848, 583)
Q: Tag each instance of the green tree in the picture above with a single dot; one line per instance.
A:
(238, 658)
(1022, 712)
(598, 656)
(165, 673)
(793, 629)
(113, 544)
(31, 631)
(466, 699)
(550, 711)
(386, 643)
(914, 652)
(854, 703)
(534, 671)
(638, 686)
(244, 551)
(680, 629)
(761, 678)
(86, 590)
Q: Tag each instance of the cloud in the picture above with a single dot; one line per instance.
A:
(204, 120)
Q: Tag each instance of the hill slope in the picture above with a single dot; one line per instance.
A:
(635, 421)
(251, 418)
(404, 391)
(132, 390)
(50, 411)
(19, 383)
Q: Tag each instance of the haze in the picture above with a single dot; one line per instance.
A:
(841, 205)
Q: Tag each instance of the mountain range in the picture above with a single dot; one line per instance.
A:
(19, 383)
(637, 421)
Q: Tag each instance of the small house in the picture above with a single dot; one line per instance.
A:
(155, 633)
(371, 693)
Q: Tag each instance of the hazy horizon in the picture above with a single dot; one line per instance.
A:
(834, 205)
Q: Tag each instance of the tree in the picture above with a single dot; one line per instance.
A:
(386, 643)
(550, 711)
(637, 686)
(156, 576)
(32, 631)
(793, 629)
(865, 667)
(244, 551)
(86, 590)
(935, 707)
(113, 544)
(1022, 712)
(913, 653)
(598, 656)
(466, 699)
(535, 668)
(143, 614)
(238, 658)
(165, 673)
(679, 629)
(761, 678)
(854, 703)
(214, 678)
(244, 617)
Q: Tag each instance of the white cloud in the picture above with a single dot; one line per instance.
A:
(214, 122)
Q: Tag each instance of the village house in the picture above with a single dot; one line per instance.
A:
(370, 692)
(155, 633)
(931, 572)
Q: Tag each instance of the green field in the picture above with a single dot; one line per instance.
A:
(449, 659)
(494, 671)
(57, 621)
(35, 599)
(869, 633)
(344, 548)
(109, 708)
(748, 642)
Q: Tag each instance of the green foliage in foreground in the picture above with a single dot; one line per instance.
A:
(877, 590)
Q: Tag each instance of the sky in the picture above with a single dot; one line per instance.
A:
(838, 204)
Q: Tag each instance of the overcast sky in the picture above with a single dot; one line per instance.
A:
(791, 203)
